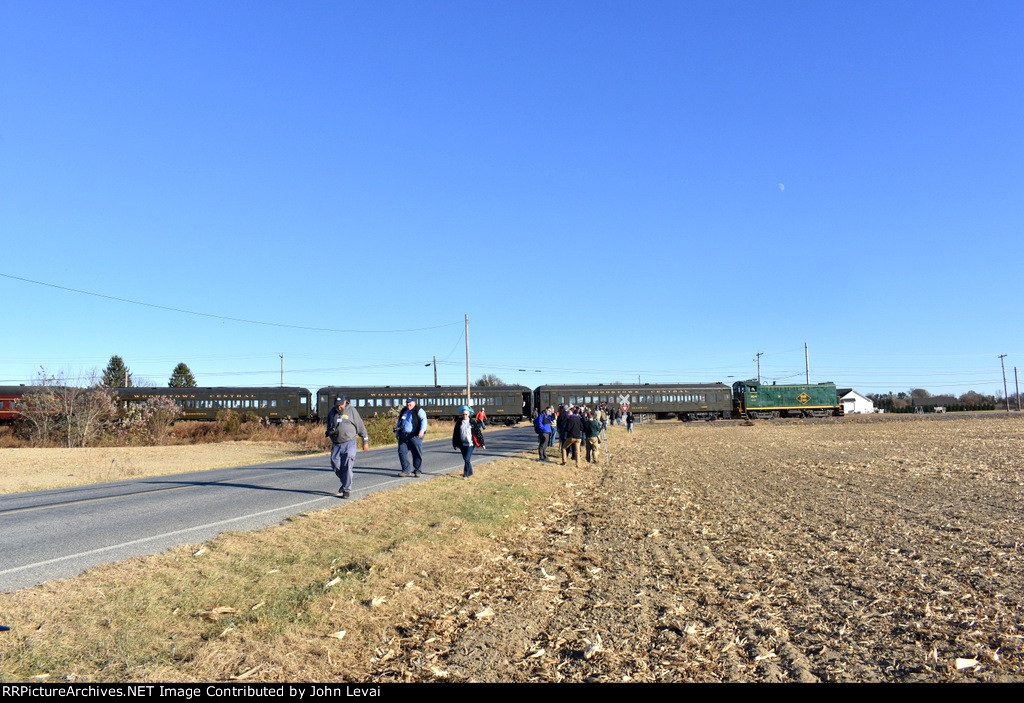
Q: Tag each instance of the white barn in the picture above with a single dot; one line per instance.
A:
(854, 403)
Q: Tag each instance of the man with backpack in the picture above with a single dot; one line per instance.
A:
(543, 427)
(412, 425)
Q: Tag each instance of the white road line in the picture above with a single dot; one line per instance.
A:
(194, 528)
(186, 530)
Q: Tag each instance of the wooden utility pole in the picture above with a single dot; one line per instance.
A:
(759, 367)
(1006, 396)
(435, 371)
(1016, 384)
(469, 397)
(282, 369)
(807, 365)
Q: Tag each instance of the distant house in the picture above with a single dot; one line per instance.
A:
(853, 402)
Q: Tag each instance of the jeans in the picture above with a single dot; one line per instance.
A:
(410, 443)
(467, 454)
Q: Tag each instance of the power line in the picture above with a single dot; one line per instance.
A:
(221, 317)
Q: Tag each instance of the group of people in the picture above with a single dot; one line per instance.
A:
(576, 427)
(344, 426)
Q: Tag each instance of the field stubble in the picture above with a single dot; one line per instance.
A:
(825, 551)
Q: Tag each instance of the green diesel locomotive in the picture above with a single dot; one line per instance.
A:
(755, 400)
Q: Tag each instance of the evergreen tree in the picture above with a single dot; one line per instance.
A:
(116, 375)
(182, 377)
(489, 380)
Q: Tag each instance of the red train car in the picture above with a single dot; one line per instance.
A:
(9, 397)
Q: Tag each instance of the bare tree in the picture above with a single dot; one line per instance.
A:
(54, 411)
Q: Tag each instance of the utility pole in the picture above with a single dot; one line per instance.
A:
(759, 367)
(435, 371)
(1016, 384)
(807, 365)
(1006, 396)
(469, 397)
(282, 369)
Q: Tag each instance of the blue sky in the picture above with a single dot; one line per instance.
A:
(610, 191)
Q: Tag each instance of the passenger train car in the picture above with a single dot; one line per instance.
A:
(507, 404)
(272, 403)
(10, 396)
(687, 401)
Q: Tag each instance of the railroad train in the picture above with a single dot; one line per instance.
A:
(503, 404)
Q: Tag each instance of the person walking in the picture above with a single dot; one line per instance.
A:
(343, 426)
(544, 428)
(467, 436)
(411, 426)
(629, 421)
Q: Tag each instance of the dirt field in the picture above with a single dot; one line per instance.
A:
(804, 551)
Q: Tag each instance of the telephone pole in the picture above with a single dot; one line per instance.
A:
(1016, 384)
(1006, 395)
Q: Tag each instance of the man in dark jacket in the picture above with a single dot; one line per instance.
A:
(573, 436)
(412, 425)
(592, 433)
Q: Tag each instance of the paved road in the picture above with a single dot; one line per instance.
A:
(61, 532)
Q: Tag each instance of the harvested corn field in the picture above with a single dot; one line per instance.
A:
(857, 550)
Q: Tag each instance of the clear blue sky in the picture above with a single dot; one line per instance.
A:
(610, 190)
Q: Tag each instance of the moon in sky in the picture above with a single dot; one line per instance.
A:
(782, 186)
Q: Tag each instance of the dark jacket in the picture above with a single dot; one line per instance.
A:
(574, 427)
(474, 428)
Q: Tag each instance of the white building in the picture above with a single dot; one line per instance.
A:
(853, 402)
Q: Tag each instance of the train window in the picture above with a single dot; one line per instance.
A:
(273, 402)
(287, 402)
(302, 400)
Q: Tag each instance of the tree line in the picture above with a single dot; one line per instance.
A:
(907, 401)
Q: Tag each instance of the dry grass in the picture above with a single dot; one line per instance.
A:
(32, 468)
(308, 600)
